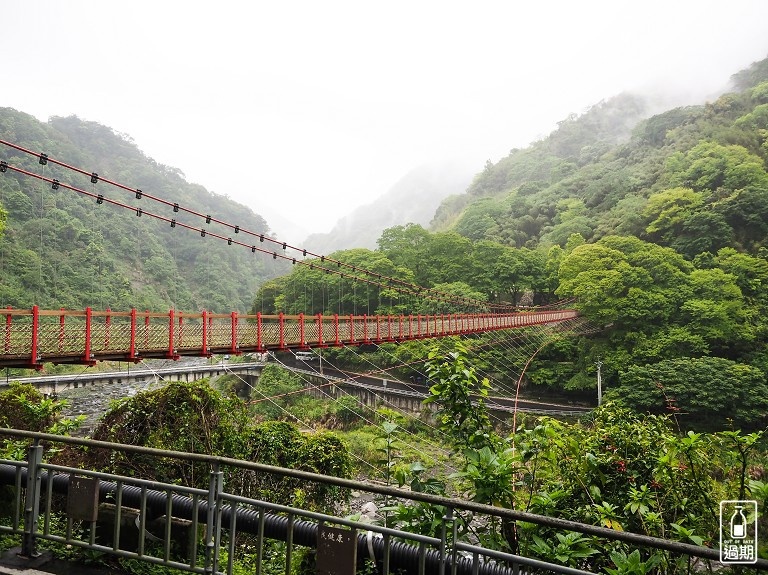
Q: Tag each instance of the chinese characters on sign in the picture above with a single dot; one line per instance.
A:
(738, 531)
(336, 551)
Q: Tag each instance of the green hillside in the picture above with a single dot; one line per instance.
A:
(654, 225)
(607, 172)
(61, 249)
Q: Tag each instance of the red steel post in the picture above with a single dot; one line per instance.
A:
(8, 320)
(320, 334)
(61, 330)
(107, 326)
(35, 329)
(132, 347)
(235, 346)
(336, 339)
(87, 352)
(146, 329)
(171, 332)
(204, 346)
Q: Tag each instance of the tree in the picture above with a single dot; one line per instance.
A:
(571, 219)
(319, 286)
(195, 418)
(460, 394)
(22, 406)
(750, 274)
(406, 246)
(710, 166)
(479, 218)
(704, 231)
(667, 211)
(656, 303)
(715, 311)
(620, 280)
(452, 302)
(746, 211)
(485, 254)
(517, 270)
(707, 392)
(445, 261)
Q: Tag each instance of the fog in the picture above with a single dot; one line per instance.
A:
(304, 110)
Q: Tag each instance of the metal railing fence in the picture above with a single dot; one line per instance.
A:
(212, 531)
(30, 337)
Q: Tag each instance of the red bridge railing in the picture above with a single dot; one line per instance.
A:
(31, 337)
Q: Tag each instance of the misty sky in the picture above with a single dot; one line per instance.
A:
(314, 108)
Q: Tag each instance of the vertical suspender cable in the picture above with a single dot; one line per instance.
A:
(94, 251)
(43, 162)
(176, 265)
(208, 272)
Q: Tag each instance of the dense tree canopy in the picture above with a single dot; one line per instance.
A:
(708, 392)
(62, 249)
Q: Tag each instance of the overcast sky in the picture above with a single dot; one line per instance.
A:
(312, 108)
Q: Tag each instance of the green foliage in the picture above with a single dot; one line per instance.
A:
(617, 468)
(348, 410)
(311, 289)
(754, 75)
(632, 564)
(282, 445)
(624, 471)
(22, 406)
(598, 172)
(387, 449)
(60, 249)
(567, 548)
(460, 395)
(623, 280)
(276, 392)
(187, 417)
(710, 167)
(709, 391)
(658, 307)
(194, 418)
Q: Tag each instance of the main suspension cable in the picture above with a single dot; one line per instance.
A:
(139, 194)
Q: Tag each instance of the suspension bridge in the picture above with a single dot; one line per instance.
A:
(31, 337)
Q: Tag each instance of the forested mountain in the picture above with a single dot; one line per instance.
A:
(62, 249)
(657, 227)
(596, 177)
(413, 199)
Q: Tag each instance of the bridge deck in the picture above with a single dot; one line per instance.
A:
(31, 337)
